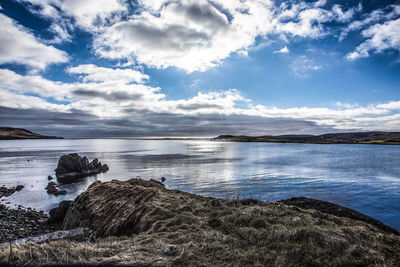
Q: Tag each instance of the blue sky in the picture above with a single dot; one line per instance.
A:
(102, 68)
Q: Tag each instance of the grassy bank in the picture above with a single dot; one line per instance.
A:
(141, 222)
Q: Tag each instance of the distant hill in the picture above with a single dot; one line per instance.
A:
(7, 133)
(392, 138)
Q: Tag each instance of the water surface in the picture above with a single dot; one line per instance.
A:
(362, 177)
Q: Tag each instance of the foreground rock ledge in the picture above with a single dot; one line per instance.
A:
(141, 222)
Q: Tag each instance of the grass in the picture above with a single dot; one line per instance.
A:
(201, 231)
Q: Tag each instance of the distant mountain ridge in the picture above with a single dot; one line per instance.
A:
(8, 133)
(392, 138)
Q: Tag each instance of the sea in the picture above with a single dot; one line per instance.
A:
(362, 177)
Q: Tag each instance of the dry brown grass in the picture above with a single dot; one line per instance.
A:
(210, 232)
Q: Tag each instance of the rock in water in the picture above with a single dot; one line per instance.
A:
(52, 189)
(19, 187)
(72, 166)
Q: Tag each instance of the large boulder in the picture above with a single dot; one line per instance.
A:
(72, 166)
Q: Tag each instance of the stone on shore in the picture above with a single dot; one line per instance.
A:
(72, 167)
(21, 222)
(6, 192)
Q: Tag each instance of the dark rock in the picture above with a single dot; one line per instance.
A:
(51, 184)
(72, 166)
(19, 187)
(52, 189)
(57, 214)
(163, 179)
(50, 177)
(60, 192)
(6, 192)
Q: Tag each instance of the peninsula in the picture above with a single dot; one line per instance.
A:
(389, 138)
(8, 133)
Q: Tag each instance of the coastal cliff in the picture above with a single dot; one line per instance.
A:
(141, 222)
(7, 133)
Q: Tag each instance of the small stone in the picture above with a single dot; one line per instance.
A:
(50, 177)
(170, 251)
(19, 187)
(163, 179)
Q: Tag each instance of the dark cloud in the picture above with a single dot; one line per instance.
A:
(113, 96)
(79, 124)
(204, 14)
(195, 106)
(172, 37)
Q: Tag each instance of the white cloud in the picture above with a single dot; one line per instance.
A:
(284, 50)
(190, 35)
(381, 30)
(61, 33)
(89, 14)
(303, 66)
(100, 74)
(393, 105)
(380, 37)
(380, 15)
(18, 45)
(20, 101)
(308, 19)
(193, 35)
(196, 35)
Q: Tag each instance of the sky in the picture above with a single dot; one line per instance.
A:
(126, 68)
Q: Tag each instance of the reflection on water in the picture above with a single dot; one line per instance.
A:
(362, 177)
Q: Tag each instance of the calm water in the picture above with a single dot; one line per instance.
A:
(362, 177)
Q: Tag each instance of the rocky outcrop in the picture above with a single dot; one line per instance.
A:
(162, 227)
(72, 166)
(6, 192)
(127, 199)
(53, 190)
